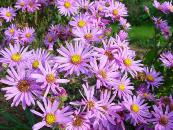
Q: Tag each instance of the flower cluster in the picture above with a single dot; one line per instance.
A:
(105, 67)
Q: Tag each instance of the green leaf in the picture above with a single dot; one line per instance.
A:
(30, 117)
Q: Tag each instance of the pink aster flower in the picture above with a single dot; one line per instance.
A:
(116, 10)
(21, 4)
(153, 78)
(32, 5)
(167, 59)
(163, 119)
(14, 55)
(123, 35)
(123, 87)
(80, 121)
(106, 74)
(48, 78)
(129, 64)
(21, 88)
(28, 35)
(139, 112)
(50, 40)
(11, 32)
(87, 34)
(51, 115)
(8, 14)
(67, 7)
(74, 58)
(80, 21)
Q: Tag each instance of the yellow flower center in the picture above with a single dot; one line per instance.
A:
(12, 31)
(76, 59)
(121, 87)
(35, 64)
(90, 104)
(135, 108)
(50, 118)
(145, 95)
(100, 8)
(81, 23)
(115, 12)
(150, 78)
(22, 3)
(8, 14)
(28, 35)
(88, 36)
(163, 120)
(78, 121)
(101, 36)
(16, 57)
(67, 4)
(50, 39)
(50, 78)
(128, 62)
(103, 74)
(23, 86)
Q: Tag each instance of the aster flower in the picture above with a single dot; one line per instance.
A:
(8, 14)
(48, 78)
(11, 32)
(80, 121)
(50, 39)
(123, 35)
(116, 10)
(123, 87)
(80, 21)
(139, 112)
(39, 57)
(124, 23)
(21, 88)
(153, 78)
(32, 5)
(14, 55)
(163, 120)
(74, 58)
(128, 64)
(51, 114)
(86, 34)
(106, 74)
(167, 59)
(67, 7)
(21, 4)
(28, 35)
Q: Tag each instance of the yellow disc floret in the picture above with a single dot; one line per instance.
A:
(135, 108)
(50, 78)
(81, 23)
(67, 4)
(35, 64)
(50, 118)
(76, 59)
(16, 57)
(121, 87)
(128, 62)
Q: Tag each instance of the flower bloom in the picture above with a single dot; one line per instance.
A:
(51, 114)
(27, 35)
(7, 13)
(167, 59)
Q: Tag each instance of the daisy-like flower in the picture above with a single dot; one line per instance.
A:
(163, 119)
(39, 57)
(87, 34)
(153, 78)
(106, 74)
(8, 14)
(28, 35)
(125, 24)
(90, 103)
(21, 4)
(116, 10)
(167, 59)
(49, 79)
(11, 32)
(123, 88)
(32, 5)
(80, 21)
(128, 64)
(67, 7)
(139, 112)
(14, 55)
(80, 121)
(84, 4)
(21, 88)
(50, 39)
(51, 114)
(74, 58)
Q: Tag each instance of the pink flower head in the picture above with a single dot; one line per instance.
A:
(74, 58)
(51, 114)
(163, 119)
(11, 32)
(28, 35)
(21, 88)
(106, 74)
(7, 13)
(14, 55)
(153, 78)
(48, 78)
(167, 59)
(67, 7)
(21, 4)
(139, 112)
